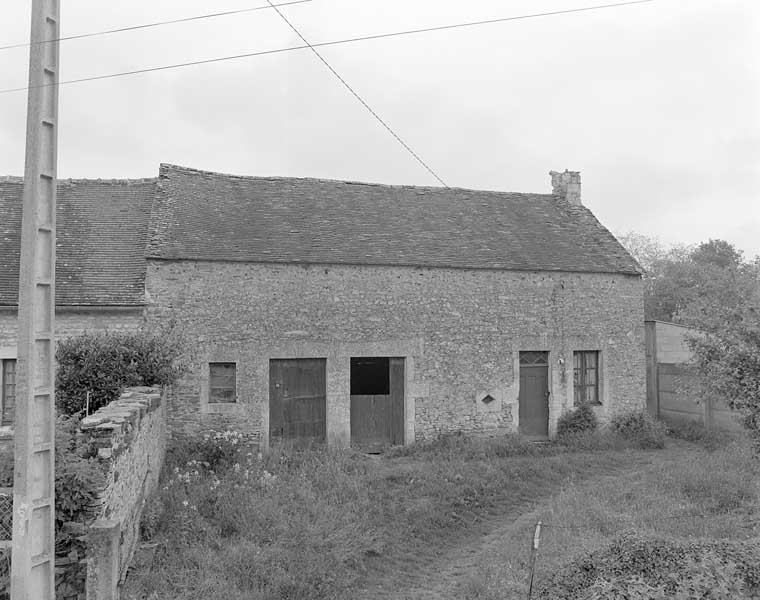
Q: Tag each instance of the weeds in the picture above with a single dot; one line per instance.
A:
(641, 428)
(693, 431)
(310, 524)
(691, 495)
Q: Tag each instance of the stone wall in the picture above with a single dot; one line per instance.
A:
(71, 322)
(130, 434)
(460, 332)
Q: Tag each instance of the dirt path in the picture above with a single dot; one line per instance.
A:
(438, 573)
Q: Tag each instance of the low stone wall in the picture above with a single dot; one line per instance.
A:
(130, 434)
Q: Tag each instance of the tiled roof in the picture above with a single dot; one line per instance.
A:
(102, 230)
(200, 215)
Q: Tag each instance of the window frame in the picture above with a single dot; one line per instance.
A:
(211, 387)
(4, 362)
(580, 374)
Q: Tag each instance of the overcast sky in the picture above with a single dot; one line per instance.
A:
(658, 104)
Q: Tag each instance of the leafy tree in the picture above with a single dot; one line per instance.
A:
(727, 356)
(712, 288)
(686, 284)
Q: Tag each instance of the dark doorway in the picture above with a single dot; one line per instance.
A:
(377, 402)
(298, 399)
(534, 394)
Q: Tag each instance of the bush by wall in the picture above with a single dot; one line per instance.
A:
(580, 419)
(104, 363)
(78, 480)
(642, 428)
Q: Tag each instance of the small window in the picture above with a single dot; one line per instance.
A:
(586, 377)
(221, 383)
(370, 376)
(8, 391)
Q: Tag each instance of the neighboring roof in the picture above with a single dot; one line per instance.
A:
(102, 230)
(200, 215)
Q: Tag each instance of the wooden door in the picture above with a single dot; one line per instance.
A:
(377, 419)
(534, 394)
(298, 399)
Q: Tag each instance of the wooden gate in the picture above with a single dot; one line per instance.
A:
(377, 410)
(534, 394)
(298, 399)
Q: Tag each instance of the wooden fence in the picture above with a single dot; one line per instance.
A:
(678, 399)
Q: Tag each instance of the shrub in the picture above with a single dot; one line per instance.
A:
(582, 418)
(78, 479)
(641, 428)
(6, 466)
(639, 568)
(693, 431)
(102, 364)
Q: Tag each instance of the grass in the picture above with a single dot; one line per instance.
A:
(705, 495)
(322, 523)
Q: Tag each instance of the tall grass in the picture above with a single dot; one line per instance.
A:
(692, 494)
(321, 523)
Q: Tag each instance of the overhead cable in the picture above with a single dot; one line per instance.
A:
(333, 43)
(154, 24)
(358, 97)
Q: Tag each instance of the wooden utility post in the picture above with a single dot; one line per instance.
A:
(33, 559)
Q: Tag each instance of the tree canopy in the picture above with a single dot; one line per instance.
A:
(710, 287)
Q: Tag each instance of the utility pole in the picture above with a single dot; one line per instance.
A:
(33, 559)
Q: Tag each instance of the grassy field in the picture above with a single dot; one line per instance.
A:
(686, 495)
(339, 524)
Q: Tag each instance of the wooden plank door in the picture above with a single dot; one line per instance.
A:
(397, 401)
(377, 420)
(298, 399)
(534, 394)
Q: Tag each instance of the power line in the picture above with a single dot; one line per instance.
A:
(336, 42)
(358, 97)
(154, 24)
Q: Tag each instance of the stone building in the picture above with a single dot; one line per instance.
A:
(370, 314)
(100, 266)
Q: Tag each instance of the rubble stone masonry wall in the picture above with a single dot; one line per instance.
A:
(130, 434)
(460, 332)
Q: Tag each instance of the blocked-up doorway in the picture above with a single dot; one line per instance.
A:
(298, 399)
(534, 394)
(377, 402)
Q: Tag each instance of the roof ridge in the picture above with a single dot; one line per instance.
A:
(75, 180)
(165, 167)
(111, 181)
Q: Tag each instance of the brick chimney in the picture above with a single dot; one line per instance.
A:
(567, 185)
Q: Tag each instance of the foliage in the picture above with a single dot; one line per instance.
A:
(640, 427)
(309, 523)
(689, 284)
(581, 418)
(78, 479)
(693, 431)
(5, 574)
(636, 567)
(727, 355)
(102, 364)
(6, 466)
(683, 492)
